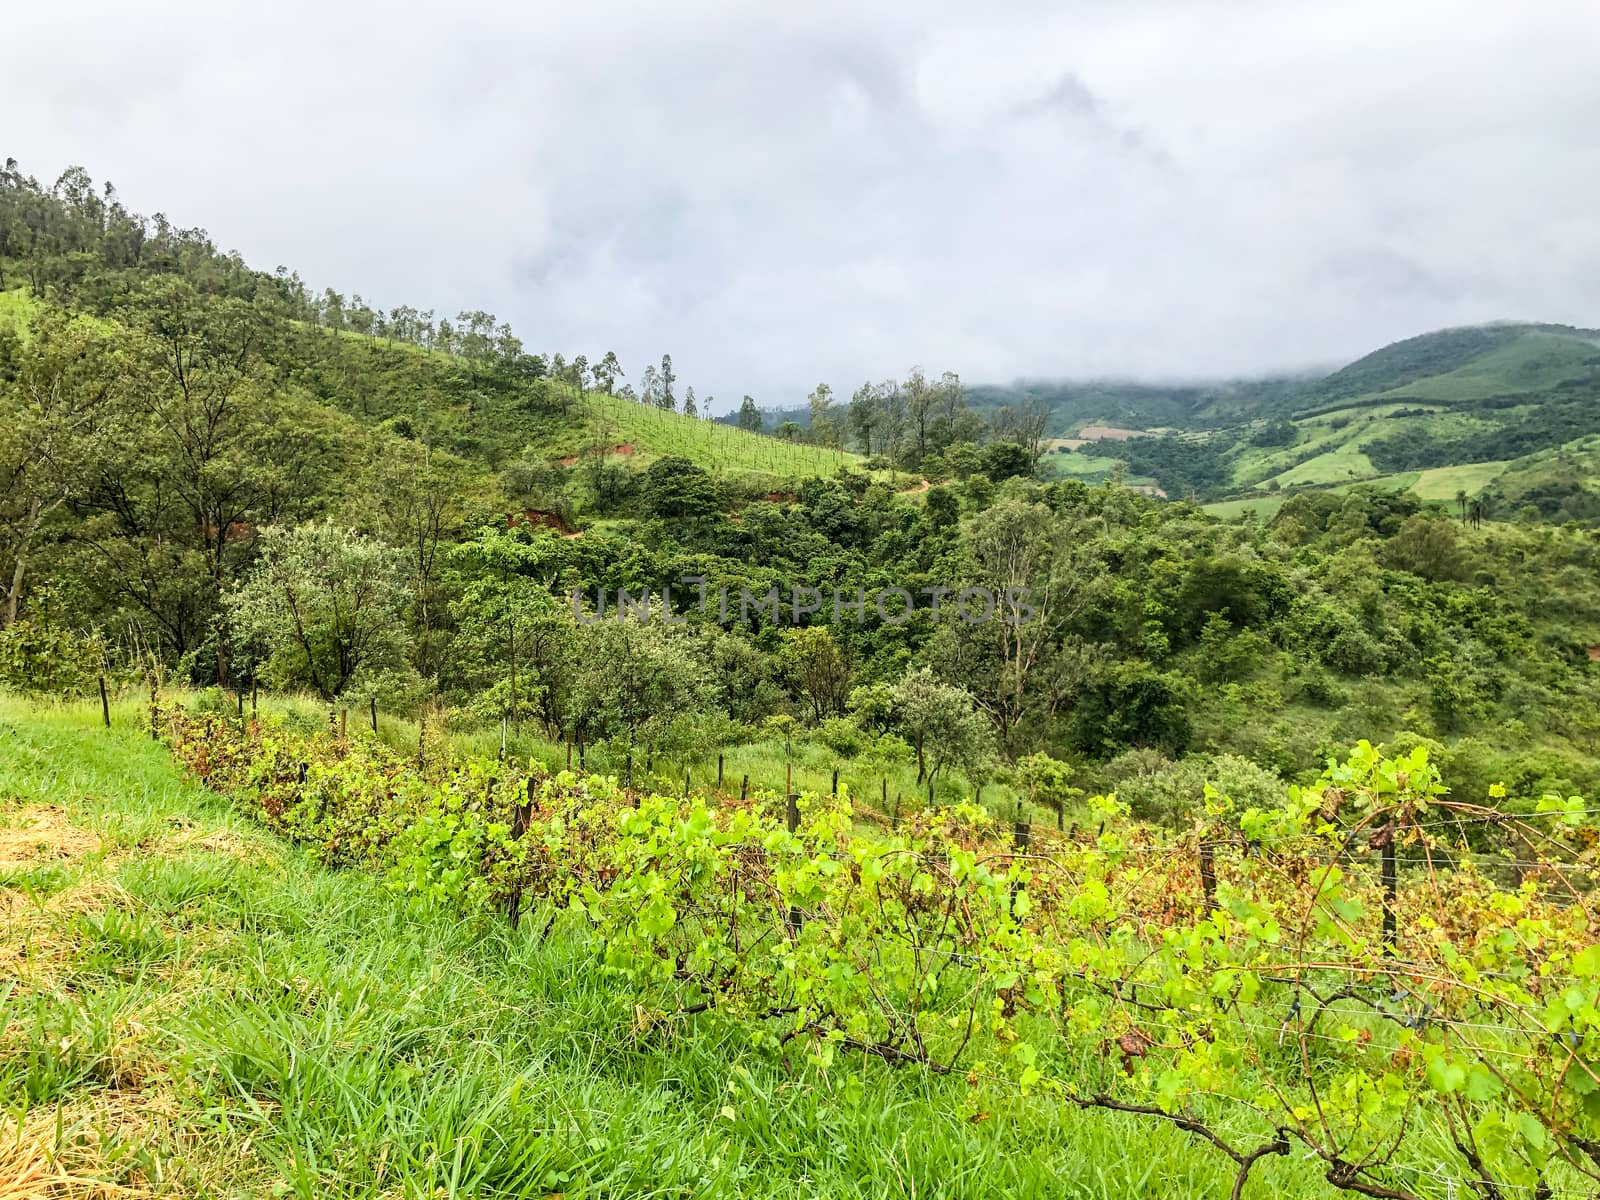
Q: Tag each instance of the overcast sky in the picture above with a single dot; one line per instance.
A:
(781, 194)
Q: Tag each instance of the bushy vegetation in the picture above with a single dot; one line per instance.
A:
(946, 946)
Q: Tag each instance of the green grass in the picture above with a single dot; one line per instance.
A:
(201, 1010)
(1345, 463)
(1442, 483)
(1264, 506)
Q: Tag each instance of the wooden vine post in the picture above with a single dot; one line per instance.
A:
(1208, 874)
(1021, 835)
(1391, 884)
(521, 818)
(105, 703)
(791, 819)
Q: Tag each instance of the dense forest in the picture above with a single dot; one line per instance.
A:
(221, 476)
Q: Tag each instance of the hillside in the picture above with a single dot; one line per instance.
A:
(1437, 414)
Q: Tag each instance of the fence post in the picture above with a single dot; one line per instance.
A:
(688, 773)
(154, 699)
(883, 788)
(894, 819)
(792, 820)
(1021, 834)
(344, 725)
(1390, 887)
(719, 772)
(521, 815)
(1208, 875)
(744, 789)
(253, 709)
(238, 695)
(105, 703)
(502, 739)
(836, 781)
(372, 704)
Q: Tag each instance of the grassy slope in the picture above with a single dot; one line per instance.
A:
(719, 448)
(190, 1006)
(1535, 362)
(1379, 395)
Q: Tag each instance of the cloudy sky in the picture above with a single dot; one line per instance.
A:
(781, 194)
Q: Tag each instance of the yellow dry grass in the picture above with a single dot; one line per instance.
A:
(39, 834)
(60, 1154)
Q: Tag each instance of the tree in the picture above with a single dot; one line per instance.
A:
(418, 504)
(920, 400)
(1133, 704)
(690, 409)
(198, 454)
(515, 639)
(824, 427)
(666, 399)
(941, 723)
(863, 417)
(749, 415)
(634, 679)
(676, 488)
(326, 606)
(1427, 546)
(817, 669)
(873, 707)
(1048, 781)
(64, 382)
(1042, 571)
(608, 371)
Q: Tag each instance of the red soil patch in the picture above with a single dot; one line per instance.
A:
(570, 460)
(1594, 653)
(781, 497)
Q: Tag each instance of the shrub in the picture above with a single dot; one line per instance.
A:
(842, 736)
(41, 660)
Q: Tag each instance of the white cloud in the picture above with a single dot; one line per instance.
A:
(837, 191)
